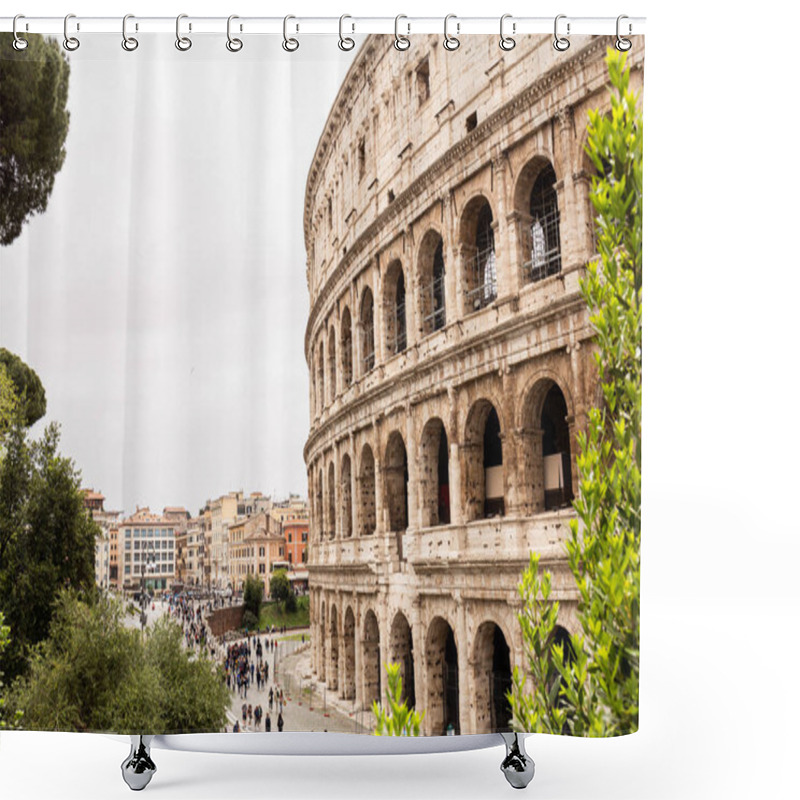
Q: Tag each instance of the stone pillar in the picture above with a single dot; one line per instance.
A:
(413, 461)
(508, 273)
(379, 315)
(464, 684)
(454, 460)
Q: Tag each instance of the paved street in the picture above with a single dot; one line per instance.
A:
(304, 709)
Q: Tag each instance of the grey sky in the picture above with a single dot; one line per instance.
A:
(162, 296)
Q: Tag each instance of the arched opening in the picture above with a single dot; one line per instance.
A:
(395, 308)
(333, 677)
(435, 475)
(331, 521)
(396, 482)
(494, 502)
(347, 347)
(349, 635)
(480, 265)
(431, 283)
(319, 521)
(545, 235)
(322, 631)
(332, 365)
(401, 651)
(492, 664)
(371, 659)
(556, 457)
(321, 377)
(441, 658)
(366, 492)
(367, 332)
(346, 493)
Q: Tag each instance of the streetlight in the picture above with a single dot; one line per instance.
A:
(148, 563)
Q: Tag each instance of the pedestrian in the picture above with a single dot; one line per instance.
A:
(280, 722)
(267, 723)
(250, 713)
(236, 727)
(244, 712)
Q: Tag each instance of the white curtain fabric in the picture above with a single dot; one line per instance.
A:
(162, 296)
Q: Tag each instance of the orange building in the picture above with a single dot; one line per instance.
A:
(295, 534)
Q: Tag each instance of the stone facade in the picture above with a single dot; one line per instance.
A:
(447, 224)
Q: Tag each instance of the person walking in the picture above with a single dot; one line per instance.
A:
(280, 722)
(267, 723)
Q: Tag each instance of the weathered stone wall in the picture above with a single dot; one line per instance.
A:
(416, 549)
(222, 620)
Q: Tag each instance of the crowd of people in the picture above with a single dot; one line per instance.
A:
(245, 662)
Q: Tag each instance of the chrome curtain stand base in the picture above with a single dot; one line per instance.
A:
(138, 768)
(517, 766)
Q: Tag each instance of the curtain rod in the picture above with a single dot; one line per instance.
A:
(347, 25)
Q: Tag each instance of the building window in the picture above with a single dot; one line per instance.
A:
(472, 121)
(431, 283)
(362, 158)
(367, 332)
(423, 82)
(481, 264)
(545, 237)
(347, 348)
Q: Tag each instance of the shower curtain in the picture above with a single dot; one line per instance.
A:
(321, 385)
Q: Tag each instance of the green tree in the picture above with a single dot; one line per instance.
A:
(94, 674)
(589, 685)
(28, 388)
(33, 128)
(279, 586)
(396, 719)
(9, 404)
(47, 538)
(253, 597)
(7, 719)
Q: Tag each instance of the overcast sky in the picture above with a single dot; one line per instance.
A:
(162, 297)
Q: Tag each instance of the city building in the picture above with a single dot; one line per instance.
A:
(146, 552)
(94, 503)
(295, 533)
(447, 226)
(255, 544)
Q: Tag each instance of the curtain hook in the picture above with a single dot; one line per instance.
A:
(401, 42)
(290, 44)
(345, 42)
(560, 43)
(623, 45)
(233, 45)
(507, 42)
(70, 42)
(128, 42)
(451, 42)
(183, 43)
(19, 43)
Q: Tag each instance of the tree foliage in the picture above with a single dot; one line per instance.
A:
(30, 394)
(33, 128)
(47, 538)
(396, 718)
(9, 404)
(279, 586)
(95, 674)
(253, 596)
(590, 686)
(8, 719)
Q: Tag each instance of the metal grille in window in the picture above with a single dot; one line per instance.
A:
(545, 238)
(434, 293)
(369, 346)
(400, 325)
(482, 275)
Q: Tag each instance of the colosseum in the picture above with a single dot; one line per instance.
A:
(447, 224)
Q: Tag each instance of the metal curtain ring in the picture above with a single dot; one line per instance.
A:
(345, 42)
(128, 42)
(290, 44)
(507, 42)
(450, 42)
(401, 42)
(560, 43)
(19, 43)
(623, 45)
(70, 42)
(183, 43)
(233, 45)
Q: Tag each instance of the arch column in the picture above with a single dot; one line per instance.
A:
(412, 462)
(508, 273)
(454, 460)
(464, 684)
